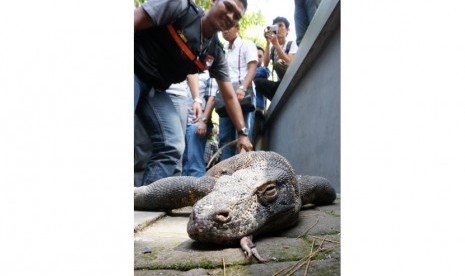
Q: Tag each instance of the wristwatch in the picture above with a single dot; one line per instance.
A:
(244, 132)
(205, 120)
(241, 88)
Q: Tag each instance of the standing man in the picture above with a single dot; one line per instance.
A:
(193, 163)
(174, 38)
(259, 118)
(280, 51)
(242, 62)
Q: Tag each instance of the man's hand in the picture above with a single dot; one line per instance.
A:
(201, 129)
(243, 142)
(274, 40)
(240, 94)
(196, 111)
(271, 38)
(193, 83)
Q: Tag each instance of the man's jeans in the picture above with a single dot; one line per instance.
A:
(141, 89)
(158, 115)
(193, 163)
(180, 104)
(228, 133)
(304, 11)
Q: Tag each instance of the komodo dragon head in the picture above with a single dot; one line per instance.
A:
(245, 195)
(261, 195)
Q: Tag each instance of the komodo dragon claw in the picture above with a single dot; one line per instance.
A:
(250, 250)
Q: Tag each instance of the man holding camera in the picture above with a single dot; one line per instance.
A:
(282, 52)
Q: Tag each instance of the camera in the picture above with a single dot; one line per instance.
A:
(272, 28)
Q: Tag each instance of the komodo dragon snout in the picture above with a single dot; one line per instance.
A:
(245, 195)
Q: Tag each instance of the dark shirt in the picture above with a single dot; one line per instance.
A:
(159, 60)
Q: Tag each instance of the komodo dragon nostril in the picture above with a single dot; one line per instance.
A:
(222, 217)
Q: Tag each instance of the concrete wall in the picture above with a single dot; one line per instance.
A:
(303, 122)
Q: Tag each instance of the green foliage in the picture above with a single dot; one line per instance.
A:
(138, 3)
(251, 24)
(204, 4)
(251, 27)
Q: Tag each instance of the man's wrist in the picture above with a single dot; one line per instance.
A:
(244, 132)
(198, 100)
(205, 120)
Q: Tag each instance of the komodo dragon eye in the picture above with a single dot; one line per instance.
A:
(267, 192)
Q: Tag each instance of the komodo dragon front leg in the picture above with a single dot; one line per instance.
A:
(250, 250)
(172, 192)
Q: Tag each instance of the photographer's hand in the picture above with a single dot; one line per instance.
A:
(274, 40)
(269, 36)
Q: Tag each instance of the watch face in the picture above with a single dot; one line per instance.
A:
(244, 131)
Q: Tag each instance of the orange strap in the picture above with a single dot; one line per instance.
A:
(185, 49)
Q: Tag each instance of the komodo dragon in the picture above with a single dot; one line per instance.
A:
(238, 198)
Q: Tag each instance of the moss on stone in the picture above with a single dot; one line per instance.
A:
(294, 254)
(153, 255)
(327, 271)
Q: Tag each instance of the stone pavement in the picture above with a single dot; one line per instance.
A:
(162, 247)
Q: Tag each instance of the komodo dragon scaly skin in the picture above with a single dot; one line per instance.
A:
(245, 195)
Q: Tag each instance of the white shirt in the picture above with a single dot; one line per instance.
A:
(241, 53)
(292, 50)
(180, 89)
(294, 47)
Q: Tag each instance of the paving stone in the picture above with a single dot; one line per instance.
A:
(163, 247)
(143, 219)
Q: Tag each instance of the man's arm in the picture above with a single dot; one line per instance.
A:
(142, 20)
(193, 83)
(158, 13)
(280, 51)
(235, 113)
(282, 55)
(202, 127)
(266, 54)
(251, 71)
(209, 108)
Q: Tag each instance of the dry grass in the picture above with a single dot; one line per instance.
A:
(290, 270)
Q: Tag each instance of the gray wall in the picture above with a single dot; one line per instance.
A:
(303, 122)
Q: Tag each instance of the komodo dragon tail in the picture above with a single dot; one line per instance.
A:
(315, 190)
(172, 192)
